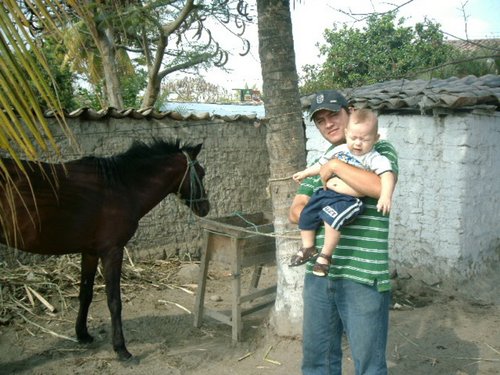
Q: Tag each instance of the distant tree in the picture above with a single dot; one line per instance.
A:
(195, 89)
(383, 50)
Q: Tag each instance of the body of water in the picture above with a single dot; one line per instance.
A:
(216, 109)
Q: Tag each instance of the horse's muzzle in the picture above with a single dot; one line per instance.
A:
(201, 207)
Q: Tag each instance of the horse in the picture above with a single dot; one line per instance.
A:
(93, 206)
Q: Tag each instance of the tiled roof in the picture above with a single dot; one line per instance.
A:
(150, 113)
(427, 96)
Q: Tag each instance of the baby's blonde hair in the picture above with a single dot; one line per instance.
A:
(364, 115)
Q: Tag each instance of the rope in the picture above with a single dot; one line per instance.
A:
(279, 179)
(240, 215)
(193, 178)
(256, 229)
(272, 234)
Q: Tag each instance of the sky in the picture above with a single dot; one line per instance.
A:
(311, 17)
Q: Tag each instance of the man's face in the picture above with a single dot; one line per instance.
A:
(332, 125)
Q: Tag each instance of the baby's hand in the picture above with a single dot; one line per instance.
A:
(299, 176)
(384, 206)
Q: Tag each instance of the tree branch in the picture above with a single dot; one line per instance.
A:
(174, 25)
(451, 63)
(185, 65)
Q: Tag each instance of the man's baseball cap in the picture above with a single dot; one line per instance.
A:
(330, 100)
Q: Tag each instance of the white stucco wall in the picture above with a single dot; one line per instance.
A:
(445, 217)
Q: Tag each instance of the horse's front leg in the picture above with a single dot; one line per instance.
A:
(89, 268)
(112, 264)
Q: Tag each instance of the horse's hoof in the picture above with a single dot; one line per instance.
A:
(122, 353)
(85, 339)
(125, 356)
(131, 361)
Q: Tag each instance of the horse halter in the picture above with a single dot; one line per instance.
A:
(193, 178)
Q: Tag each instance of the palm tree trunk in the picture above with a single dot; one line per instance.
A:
(286, 147)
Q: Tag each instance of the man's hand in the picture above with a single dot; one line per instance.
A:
(327, 171)
(365, 183)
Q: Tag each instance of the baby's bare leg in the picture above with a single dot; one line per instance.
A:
(332, 237)
(307, 237)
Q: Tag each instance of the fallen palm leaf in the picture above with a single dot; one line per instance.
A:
(30, 297)
(41, 299)
(245, 356)
(46, 330)
(270, 360)
(492, 348)
(175, 304)
(184, 289)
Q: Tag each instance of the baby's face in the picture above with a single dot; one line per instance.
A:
(360, 138)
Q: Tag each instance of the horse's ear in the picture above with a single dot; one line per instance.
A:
(196, 150)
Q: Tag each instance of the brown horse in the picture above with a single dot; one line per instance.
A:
(93, 206)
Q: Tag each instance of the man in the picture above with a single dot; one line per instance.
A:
(355, 296)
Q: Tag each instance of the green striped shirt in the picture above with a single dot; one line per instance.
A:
(362, 254)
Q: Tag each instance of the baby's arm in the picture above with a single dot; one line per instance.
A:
(387, 182)
(313, 170)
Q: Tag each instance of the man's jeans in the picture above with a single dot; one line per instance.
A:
(334, 306)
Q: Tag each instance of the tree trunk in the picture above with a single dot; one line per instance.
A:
(286, 147)
(152, 91)
(111, 80)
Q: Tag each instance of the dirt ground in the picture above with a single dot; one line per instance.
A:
(431, 332)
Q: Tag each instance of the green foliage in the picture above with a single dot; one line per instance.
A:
(108, 42)
(60, 76)
(132, 86)
(382, 51)
(90, 97)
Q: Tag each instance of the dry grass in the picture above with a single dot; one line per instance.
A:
(43, 289)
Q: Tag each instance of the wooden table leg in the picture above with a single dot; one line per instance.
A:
(236, 303)
(202, 281)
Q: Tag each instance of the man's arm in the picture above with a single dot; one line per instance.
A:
(365, 182)
(299, 202)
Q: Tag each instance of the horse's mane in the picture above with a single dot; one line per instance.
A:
(140, 150)
(158, 148)
(117, 166)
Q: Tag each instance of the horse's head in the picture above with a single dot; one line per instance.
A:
(191, 189)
